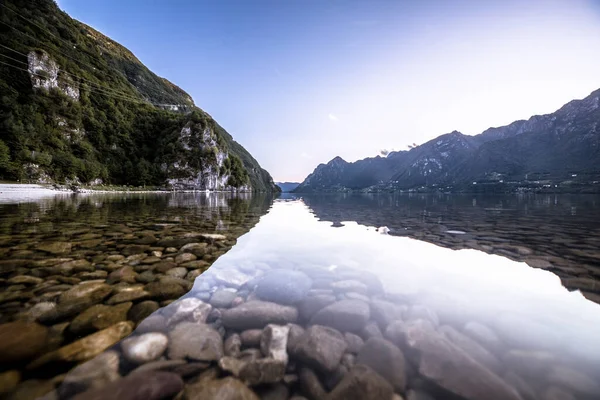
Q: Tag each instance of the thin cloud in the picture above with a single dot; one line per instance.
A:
(333, 118)
(305, 155)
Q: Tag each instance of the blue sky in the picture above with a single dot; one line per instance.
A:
(299, 82)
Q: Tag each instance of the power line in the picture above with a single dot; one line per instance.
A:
(89, 88)
(68, 73)
(61, 52)
(14, 59)
(102, 91)
(33, 23)
(13, 50)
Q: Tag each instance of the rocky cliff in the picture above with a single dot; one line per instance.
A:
(78, 107)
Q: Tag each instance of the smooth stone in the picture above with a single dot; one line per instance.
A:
(355, 342)
(86, 348)
(296, 331)
(184, 257)
(142, 310)
(254, 371)
(129, 294)
(187, 309)
(386, 359)
(370, 330)
(164, 290)
(555, 393)
(520, 385)
(24, 280)
(21, 341)
(422, 312)
(54, 248)
(231, 277)
(283, 286)
(471, 347)
(151, 385)
(362, 383)
(344, 315)
(222, 298)
(77, 299)
(178, 272)
(32, 389)
(436, 351)
(418, 395)
(154, 323)
(320, 347)
(95, 373)
(532, 363)
(222, 389)
(350, 285)
(195, 341)
(232, 345)
(144, 348)
(310, 305)
(251, 337)
(146, 277)
(160, 365)
(191, 368)
(99, 317)
(484, 335)
(9, 381)
(37, 310)
(124, 274)
(273, 342)
(576, 381)
(310, 385)
(257, 314)
(384, 312)
(277, 391)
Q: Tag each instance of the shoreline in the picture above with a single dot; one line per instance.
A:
(18, 187)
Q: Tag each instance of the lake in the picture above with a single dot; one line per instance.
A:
(222, 296)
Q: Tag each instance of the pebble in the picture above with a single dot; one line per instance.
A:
(21, 341)
(195, 341)
(257, 314)
(144, 348)
(344, 315)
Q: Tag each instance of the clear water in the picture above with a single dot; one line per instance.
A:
(307, 297)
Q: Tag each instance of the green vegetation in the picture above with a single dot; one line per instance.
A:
(118, 130)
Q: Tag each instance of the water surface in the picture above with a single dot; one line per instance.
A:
(310, 297)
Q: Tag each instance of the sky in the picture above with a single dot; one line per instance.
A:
(298, 82)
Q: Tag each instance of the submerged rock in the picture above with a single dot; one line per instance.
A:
(436, 351)
(86, 348)
(283, 286)
(221, 389)
(149, 385)
(273, 342)
(344, 315)
(144, 348)
(257, 314)
(386, 359)
(95, 373)
(320, 347)
(195, 341)
(362, 383)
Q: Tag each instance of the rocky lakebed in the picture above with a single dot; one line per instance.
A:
(141, 304)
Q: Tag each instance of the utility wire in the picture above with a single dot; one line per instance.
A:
(89, 88)
(70, 45)
(61, 52)
(68, 73)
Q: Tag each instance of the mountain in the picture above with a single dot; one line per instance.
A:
(561, 148)
(287, 187)
(76, 106)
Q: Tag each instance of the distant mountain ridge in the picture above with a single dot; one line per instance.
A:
(554, 148)
(287, 187)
